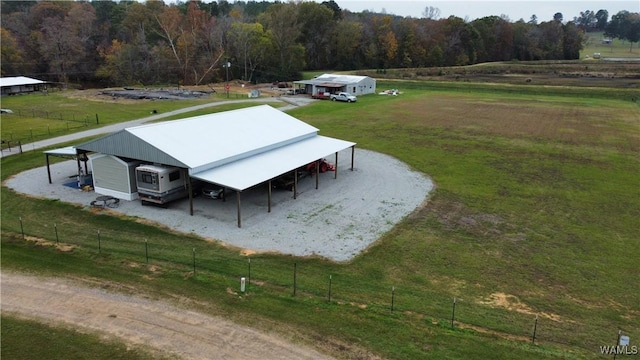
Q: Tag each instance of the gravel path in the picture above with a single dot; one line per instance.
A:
(174, 332)
(336, 221)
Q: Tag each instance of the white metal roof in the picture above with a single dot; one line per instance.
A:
(345, 79)
(245, 173)
(19, 80)
(65, 151)
(212, 140)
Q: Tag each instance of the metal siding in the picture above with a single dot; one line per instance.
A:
(124, 144)
(109, 173)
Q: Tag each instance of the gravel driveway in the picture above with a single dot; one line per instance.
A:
(336, 221)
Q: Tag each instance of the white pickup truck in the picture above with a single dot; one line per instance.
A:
(343, 96)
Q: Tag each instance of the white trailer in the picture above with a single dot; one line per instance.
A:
(161, 184)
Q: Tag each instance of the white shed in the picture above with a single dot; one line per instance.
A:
(114, 176)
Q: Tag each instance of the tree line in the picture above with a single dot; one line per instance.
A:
(130, 42)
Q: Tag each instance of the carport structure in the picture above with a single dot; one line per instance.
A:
(236, 149)
(68, 152)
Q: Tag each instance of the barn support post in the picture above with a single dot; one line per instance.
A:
(353, 152)
(86, 168)
(190, 195)
(317, 172)
(79, 168)
(48, 168)
(238, 206)
(295, 183)
(269, 196)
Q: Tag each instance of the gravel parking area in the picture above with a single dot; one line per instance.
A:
(337, 221)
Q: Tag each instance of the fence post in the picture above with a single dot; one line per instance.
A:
(97, 121)
(99, 247)
(453, 314)
(56, 229)
(146, 250)
(295, 271)
(329, 288)
(535, 328)
(194, 262)
(249, 275)
(393, 294)
(21, 228)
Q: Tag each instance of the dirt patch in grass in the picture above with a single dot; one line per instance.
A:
(46, 243)
(513, 303)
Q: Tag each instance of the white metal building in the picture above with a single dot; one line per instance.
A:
(235, 149)
(20, 84)
(333, 83)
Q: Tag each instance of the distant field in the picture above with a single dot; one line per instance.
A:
(535, 213)
(616, 49)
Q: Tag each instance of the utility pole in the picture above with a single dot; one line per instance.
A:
(227, 65)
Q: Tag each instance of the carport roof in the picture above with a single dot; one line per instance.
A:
(243, 174)
(19, 80)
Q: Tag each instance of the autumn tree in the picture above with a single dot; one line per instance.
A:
(316, 27)
(572, 41)
(247, 43)
(283, 29)
(460, 38)
(11, 62)
(346, 42)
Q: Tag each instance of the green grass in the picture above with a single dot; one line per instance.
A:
(537, 202)
(617, 49)
(27, 339)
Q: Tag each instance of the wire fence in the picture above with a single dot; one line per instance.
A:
(261, 275)
(43, 124)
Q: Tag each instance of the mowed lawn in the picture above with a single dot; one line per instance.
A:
(535, 213)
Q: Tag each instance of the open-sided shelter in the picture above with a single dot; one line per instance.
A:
(21, 84)
(235, 149)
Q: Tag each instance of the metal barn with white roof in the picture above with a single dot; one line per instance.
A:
(334, 83)
(235, 149)
(20, 84)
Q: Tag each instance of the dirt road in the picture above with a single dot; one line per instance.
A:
(172, 331)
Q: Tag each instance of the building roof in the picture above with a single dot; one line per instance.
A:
(236, 149)
(334, 80)
(250, 171)
(19, 80)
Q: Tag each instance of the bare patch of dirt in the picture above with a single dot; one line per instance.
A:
(137, 94)
(513, 303)
(46, 243)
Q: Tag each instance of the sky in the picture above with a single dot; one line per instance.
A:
(475, 9)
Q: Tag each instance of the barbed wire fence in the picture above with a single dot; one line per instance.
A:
(256, 275)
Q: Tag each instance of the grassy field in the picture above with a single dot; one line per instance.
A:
(616, 49)
(535, 213)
